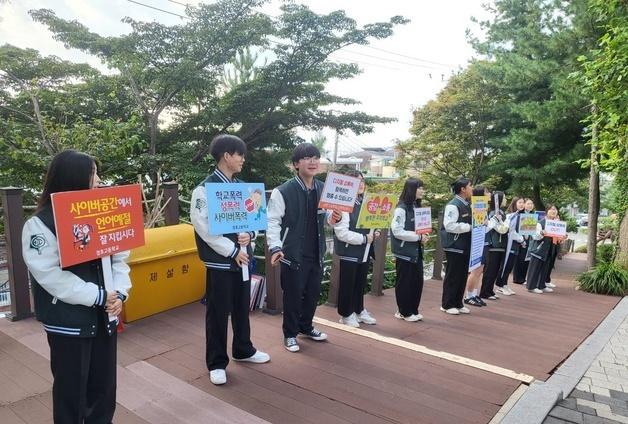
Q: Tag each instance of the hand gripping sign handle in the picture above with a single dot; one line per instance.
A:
(368, 247)
(108, 277)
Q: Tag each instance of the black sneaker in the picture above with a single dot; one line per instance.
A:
(314, 334)
(472, 301)
(479, 299)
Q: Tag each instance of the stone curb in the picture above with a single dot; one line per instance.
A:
(534, 406)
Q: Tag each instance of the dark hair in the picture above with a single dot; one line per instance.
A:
(549, 206)
(225, 143)
(69, 170)
(305, 150)
(459, 184)
(500, 199)
(354, 173)
(408, 195)
(479, 190)
(513, 205)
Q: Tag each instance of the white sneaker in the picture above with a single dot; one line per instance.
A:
(413, 318)
(350, 321)
(218, 377)
(366, 318)
(537, 291)
(503, 290)
(464, 310)
(548, 290)
(398, 315)
(450, 311)
(258, 357)
(511, 291)
(550, 285)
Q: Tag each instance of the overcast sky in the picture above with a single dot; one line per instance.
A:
(399, 74)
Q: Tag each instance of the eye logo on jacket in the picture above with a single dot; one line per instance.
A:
(38, 242)
(200, 204)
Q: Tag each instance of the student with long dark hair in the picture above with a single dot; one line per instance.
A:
(513, 216)
(224, 257)
(407, 247)
(350, 244)
(497, 238)
(456, 242)
(474, 280)
(73, 304)
(520, 270)
(540, 252)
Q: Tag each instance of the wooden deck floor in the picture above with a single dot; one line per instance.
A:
(348, 379)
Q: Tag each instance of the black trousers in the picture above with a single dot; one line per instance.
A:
(351, 287)
(552, 261)
(520, 270)
(227, 294)
(301, 291)
(409, 286)
(84, 372)
(537, 273)
(491, 272)
(505, 271)
(456, 272)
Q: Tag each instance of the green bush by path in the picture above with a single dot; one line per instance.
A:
(606, 278)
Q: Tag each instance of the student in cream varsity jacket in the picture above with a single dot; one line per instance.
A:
(407, 247)
(73, 305)
(350, 244)
(224, 257)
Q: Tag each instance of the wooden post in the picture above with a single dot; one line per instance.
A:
(171, 195)
(334, 282)
(439, 254)
(18, 274)
(377, 279)
(274, 293)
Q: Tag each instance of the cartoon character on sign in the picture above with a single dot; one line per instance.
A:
(386, 206)
(82, 235)
(254, 203)
(373, 205)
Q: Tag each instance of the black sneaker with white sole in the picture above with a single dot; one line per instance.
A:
(314, 334)
(472, 301)
(482, 302)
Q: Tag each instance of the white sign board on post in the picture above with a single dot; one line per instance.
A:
(423, 220)
(555, 228)
(339, 192)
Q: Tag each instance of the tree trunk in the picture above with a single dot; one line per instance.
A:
(536, 197)
(622, 243)
(594, 201)
(153, 129)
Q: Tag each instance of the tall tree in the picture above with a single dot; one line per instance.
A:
(451, 135)
(534, 44)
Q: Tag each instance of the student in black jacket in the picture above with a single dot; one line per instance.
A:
(407, 247)
(296, 239)
(497, 239)
(541, 252)
(350, 244)
(456, 242)
(73, 305)
(224, 257)
(520, 270)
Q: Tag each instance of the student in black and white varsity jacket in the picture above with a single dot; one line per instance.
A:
(73, 305)
(224, 258)
(350, 244)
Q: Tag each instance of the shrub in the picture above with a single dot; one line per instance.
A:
(605, 253)
(572, 226)
(581, 249)
(605, 278)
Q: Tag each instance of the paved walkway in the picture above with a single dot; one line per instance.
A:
(601, 396)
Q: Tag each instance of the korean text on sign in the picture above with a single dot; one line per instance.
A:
(339, 192)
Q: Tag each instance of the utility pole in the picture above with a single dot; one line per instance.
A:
(335, 151)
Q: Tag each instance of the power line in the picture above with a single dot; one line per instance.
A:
(156, 8)
(410, 57)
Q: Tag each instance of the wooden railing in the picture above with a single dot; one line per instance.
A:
(18, 275)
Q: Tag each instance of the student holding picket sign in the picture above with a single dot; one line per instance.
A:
(541, 251)
(497, 239)
(520, 270)
(353, 246)
(513, 245)
(226, 258)
(407, 247)
(78, 312)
